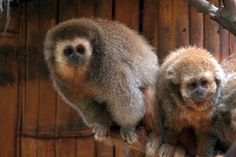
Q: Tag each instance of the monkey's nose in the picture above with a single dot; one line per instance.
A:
(199, 94)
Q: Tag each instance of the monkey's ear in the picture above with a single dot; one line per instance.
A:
(172, 76)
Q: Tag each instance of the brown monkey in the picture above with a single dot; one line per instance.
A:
(100, 67)
(189, 85)
(226, 111)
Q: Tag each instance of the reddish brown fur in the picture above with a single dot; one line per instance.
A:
(78, 79)
(179, 107)
(190, 117)
(151, 118)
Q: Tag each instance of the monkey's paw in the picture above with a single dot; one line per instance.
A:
(166, 150)
(179, 152)
(101, 132)
(153, 143)
(129, 135)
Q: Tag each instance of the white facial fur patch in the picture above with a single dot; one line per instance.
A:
(207, 74)
(74, 43)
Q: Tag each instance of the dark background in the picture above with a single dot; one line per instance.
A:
(34, 121)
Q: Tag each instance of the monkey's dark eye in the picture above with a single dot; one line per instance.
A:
(204, 83)
(68, 51)
(80, 49)
(193, 85)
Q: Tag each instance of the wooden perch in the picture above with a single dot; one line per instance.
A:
(139, 146)
(225, 16)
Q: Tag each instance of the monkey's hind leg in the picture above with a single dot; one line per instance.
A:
(127, 112)
(96, 117)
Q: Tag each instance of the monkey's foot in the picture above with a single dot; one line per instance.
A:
(179, 152)
(166, 150)
(129, 135)
(101, 133)
(152, 147)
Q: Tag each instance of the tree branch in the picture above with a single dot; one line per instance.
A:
(226, 17)
(139, 146)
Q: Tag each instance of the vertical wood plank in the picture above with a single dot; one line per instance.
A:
(9, 84)
(86, 147)
(30, 112)
(104, 149)
(232, 43)
(28, 147)
(127, 12)
(66, 148)
(150, 20)
(87, 8)
(196, 27)
(21, 74)
(181, 23)
(47, 95)
(165, 32)
(211, 34)
(68, 10)
(224, 43)
(8, 95)
(104, 9)
(45, 148)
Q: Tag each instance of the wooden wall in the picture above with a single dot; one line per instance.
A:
(35, 122)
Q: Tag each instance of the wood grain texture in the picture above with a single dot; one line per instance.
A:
(67, 10)
(127, 12)
(196, 27)
(8, 96)
(9, 86)
(87, 8)
(211, 34)
(165, 31)
(150, 21)
(181, 23)
(103, 8)
(86, 147)
(66, 148)
(47, 95)
(31, 106)
(36, 121)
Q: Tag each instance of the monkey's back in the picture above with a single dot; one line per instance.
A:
(127, 51)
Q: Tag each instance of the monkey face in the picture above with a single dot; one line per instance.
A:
(73, 53)
(199, 87)
(71, 57)
(69, 49)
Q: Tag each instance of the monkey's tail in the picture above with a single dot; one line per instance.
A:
(152, 121)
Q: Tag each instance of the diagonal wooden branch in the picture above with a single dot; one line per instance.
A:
(226, 17)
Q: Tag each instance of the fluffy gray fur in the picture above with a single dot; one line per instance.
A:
(122, 63)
